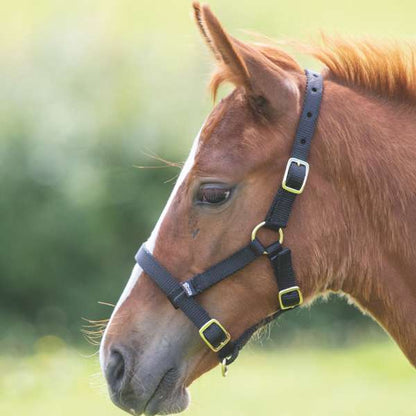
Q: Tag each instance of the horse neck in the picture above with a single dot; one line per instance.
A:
(366, 150)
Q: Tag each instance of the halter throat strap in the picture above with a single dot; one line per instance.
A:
(182, 294)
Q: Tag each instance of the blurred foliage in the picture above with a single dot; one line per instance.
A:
(86, 88)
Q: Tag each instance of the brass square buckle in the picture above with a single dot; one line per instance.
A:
(207, 325)
(285, 292)
(299, 162)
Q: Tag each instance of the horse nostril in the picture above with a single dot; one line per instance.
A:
(115, 370)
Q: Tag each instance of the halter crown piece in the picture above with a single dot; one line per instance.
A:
(182, 294)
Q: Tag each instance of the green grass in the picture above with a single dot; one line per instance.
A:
(365, 380)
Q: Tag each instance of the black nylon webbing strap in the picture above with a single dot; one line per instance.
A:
(176, 294)
(223, 269)
(310, 113)
(170, 285)
(289, 293)
(279, 212)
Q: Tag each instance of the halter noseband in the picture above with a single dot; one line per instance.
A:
(182, 294)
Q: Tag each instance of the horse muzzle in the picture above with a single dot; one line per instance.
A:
(151, 386)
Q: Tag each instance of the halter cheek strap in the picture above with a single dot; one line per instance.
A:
(182, 294)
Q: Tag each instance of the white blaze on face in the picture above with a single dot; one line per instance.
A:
(151, 242)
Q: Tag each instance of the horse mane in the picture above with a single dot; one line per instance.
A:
(383, 68)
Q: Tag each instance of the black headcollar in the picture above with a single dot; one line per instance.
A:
(182, 294)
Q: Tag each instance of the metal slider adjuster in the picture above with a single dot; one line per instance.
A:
(299, 162)
(227, 336)
(285, 292)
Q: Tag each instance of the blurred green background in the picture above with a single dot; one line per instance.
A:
(90, 89)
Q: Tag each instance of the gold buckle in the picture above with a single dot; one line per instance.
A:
(257, 228)
(206, 326)
(289, 290)
(299, 162)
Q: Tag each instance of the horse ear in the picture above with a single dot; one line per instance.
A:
(221, 44)
(244, 65)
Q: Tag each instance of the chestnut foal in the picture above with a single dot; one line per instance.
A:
(351, 230)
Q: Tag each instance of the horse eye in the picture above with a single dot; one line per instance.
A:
(213, 194)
